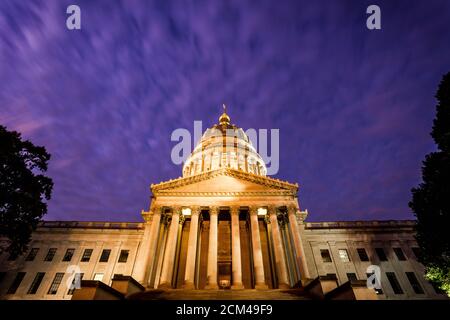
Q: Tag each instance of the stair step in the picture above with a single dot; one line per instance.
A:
(246, 294)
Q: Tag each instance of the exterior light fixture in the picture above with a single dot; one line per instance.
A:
(262, 211)
(186, 211)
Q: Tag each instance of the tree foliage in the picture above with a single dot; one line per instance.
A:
(431, 199)
(24, 190)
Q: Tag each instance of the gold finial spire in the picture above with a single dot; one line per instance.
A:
(224, 118)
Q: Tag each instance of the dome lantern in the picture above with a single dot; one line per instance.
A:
(224, 119)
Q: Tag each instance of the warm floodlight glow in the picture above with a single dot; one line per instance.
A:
(186, 211)
(262, 211)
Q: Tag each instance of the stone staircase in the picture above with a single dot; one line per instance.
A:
(246, 294)
(320, 288)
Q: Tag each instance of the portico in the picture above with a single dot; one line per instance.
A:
(224, 224)
(230, 241)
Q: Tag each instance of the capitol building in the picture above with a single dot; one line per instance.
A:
(224, 230)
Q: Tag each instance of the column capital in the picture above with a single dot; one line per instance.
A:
(176, 210)
(214, 210)
(253, 210)
(154, 208)
(272, 209)
(292, 209)
(234, 210)
(147, 216)
(195, 210)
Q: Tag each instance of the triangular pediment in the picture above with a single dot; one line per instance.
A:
(225, 181)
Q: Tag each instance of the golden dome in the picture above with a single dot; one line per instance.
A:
(224, 146)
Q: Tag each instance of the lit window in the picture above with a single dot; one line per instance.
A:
(98, 276)
(55, 283)
(86, 255)
(262, 211)
(343, 254)
(186, 211)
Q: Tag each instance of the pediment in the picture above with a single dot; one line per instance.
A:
(225, 181)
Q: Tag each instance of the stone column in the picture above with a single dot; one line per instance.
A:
(169, 254)
(258, 265)
(295, 231)
(280, 260)
(145, 259)
(211, 271)
(189, 275)
(236, 263)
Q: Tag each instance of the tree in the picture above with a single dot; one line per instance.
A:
(431, 199)
(23, 189)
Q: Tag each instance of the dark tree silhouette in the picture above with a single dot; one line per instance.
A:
(23, 189)
(431, 199)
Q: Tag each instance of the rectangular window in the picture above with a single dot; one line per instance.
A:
(86, 255)
(68, 255)
(16, 283)
(381, 254)
(36, 283)
(50, 254)
(394, 283)
(77, 278)
(399, 253)
(55, 283)
(343, 254)
(325, 255)
(105, 255)
(362, 254)
(352, 276)
(414, 282)
(32, 254)
(98, 276)
(123, 256)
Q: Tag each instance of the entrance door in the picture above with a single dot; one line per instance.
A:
(224, 275)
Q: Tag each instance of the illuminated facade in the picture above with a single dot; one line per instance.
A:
(223, 226)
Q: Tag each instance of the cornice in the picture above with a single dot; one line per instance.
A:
(262, 180)
(223, 193)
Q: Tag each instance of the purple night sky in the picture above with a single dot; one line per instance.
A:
(354, 107)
